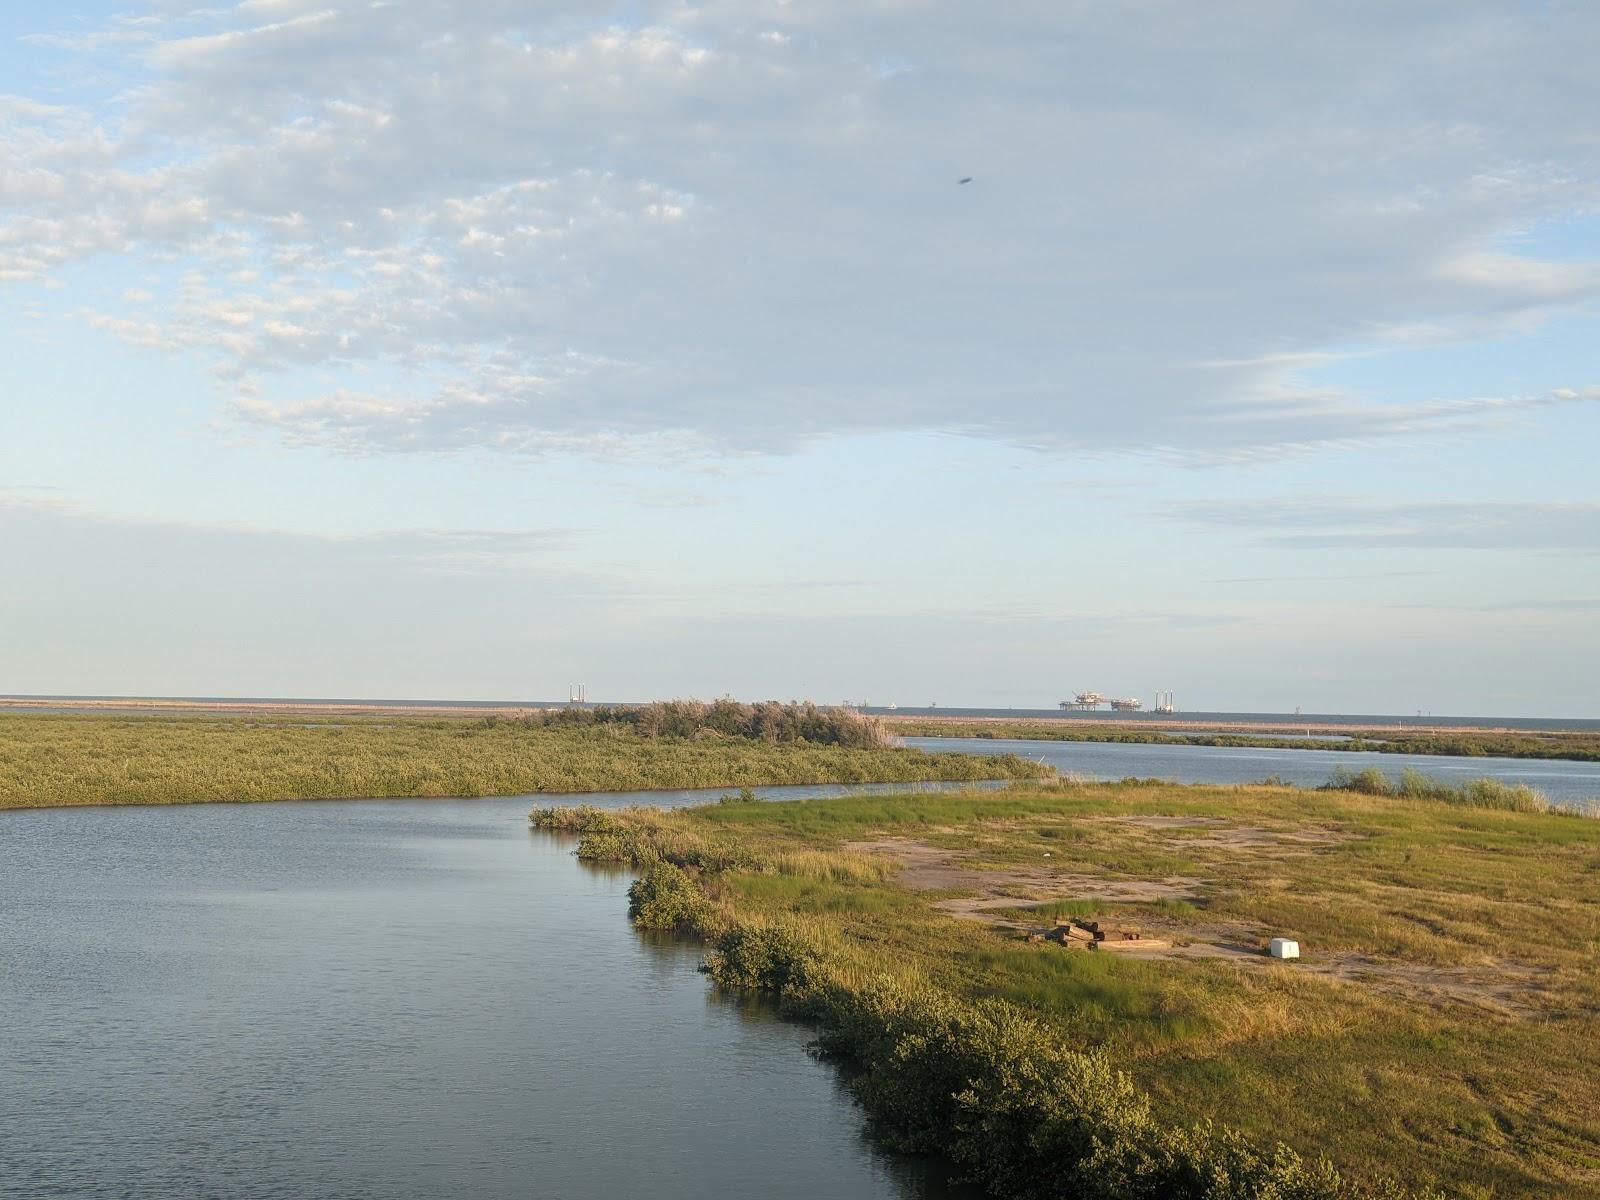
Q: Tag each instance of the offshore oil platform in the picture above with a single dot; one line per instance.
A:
(1089, 701)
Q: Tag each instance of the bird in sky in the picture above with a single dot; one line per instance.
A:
(968, 179)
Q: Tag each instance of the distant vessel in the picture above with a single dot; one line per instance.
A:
(1128, 705)
(1164, 703)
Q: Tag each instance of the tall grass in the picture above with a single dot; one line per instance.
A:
(1474, 793)
(48, 760)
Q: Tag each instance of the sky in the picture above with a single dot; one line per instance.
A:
(422, 349)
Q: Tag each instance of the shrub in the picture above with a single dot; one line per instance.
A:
(992, 1087)
(585, 818)
(665, 897)
(768, 721)
(610, 845)
(766, 958)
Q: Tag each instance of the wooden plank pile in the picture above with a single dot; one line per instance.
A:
(1077, 933)
(1080, 934)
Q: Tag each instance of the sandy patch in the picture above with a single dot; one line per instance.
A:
(1242, 837)
(1496, 986)
(936, 868)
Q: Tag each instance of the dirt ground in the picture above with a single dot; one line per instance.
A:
(1494, 985)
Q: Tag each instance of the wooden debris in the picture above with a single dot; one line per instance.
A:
(1080, 934)
(1135, 944)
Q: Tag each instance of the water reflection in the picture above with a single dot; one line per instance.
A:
(389, 999)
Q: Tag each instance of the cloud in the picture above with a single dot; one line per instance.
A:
(1336, 522)
(734, 226)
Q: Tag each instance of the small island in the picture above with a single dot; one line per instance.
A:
(180, 754)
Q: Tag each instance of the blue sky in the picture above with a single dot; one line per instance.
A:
(413, 350)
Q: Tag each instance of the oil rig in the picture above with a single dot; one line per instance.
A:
(1089, 701)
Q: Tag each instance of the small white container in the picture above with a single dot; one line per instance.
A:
(1283, 948)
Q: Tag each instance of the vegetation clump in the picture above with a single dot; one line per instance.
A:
(582, 818)
(1475, 793)
(768, 721)
(1439, 1016)
(666, 898)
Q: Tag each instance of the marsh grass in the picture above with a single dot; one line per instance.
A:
(1492, 1095)
(1475, 793)
(48, 760)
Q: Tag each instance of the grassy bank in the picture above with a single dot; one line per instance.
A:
(1442, 1031)
(47, 761)
(1577, 747)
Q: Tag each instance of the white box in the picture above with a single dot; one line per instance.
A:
(1283, 948)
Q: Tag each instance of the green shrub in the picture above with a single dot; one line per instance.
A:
(609, 845)
(765, 958)
(585, 818)
(665, 897)
(993, 1088)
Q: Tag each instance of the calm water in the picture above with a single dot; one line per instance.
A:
(1308, 768)
(388, 998)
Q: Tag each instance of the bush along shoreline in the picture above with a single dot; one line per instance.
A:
(981, 1082)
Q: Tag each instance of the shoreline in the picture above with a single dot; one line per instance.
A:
(926, 963)
(1198, 726)
(1153, 722)
(1547, 745)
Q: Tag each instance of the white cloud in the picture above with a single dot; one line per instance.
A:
(730, 226)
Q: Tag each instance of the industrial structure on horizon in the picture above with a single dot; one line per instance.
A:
(1089, 701)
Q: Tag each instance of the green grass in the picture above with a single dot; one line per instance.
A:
(48, 760)
(1457, 1046)
(1579, 747)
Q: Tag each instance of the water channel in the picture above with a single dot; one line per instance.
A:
(1557, 779)
(387, 998)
